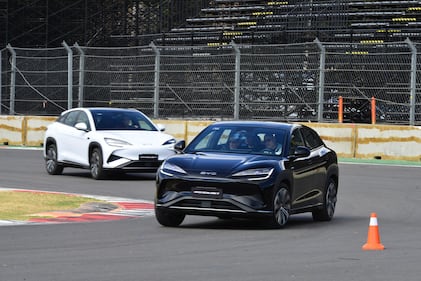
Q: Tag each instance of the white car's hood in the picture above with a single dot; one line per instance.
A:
(139, 138)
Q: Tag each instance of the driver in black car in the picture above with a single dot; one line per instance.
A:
(271, 145)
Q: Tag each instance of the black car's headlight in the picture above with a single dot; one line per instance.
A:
(171, 141)
(169, 169)
(255, 174)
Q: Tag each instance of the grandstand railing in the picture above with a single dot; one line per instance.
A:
(290, 82)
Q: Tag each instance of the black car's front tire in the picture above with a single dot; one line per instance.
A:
(329, 202)
(51, 164)
(95, 164)
(281, 207)
(170, 219)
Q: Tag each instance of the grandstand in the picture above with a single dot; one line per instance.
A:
(35, 23)
(274, 22)
(46, 23)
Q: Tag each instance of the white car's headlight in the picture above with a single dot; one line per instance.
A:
(167, 168)
(171, 141)
(116, 142)
(255, 174)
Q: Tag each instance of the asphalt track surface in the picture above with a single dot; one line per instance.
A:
(208, 249)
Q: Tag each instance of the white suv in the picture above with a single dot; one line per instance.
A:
(105, 139)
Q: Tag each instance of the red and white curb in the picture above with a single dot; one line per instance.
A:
(126, 208)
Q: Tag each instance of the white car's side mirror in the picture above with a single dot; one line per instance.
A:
(81, 126)
(161, 127)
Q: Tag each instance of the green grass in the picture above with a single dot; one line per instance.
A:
(16, 205)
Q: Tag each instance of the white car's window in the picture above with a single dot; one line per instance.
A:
(70, 118)
(83, 118)
(121, 120)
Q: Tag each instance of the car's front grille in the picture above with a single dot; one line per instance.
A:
(143, 164)
(232, 188)
(140, 165)
(206, 204)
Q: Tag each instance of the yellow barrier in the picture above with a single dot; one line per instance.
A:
(11, 130)
(23, 130)
(388, 142)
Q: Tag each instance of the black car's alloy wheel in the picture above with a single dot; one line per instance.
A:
(329, 203)
(170, 219)
(281, 207)
(97, 171)
(51, 164)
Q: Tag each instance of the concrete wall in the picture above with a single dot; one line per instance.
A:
(362, 141)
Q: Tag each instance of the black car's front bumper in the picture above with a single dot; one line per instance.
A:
(215, 198)
(211, 207)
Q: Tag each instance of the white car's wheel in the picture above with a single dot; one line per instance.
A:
(51, 164)
(95, 164)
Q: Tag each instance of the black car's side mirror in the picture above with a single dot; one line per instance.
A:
(180, 145)
(299, 152)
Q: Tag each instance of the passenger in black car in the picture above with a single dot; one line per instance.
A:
(234, 142)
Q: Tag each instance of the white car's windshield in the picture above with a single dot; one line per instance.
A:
(121, 120)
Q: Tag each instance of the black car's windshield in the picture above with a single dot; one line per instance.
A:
(121, 120)
(239, 139)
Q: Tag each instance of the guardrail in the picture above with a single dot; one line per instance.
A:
(363, 141)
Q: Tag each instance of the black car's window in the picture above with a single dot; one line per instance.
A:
(239, 139)
(205, 143)
(296, 140)
(224, 137)
(311, 138)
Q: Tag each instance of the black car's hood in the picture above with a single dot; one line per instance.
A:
(218, 164)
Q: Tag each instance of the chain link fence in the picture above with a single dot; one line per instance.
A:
(294, 82)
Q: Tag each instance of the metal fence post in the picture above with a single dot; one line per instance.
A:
(321, 79)
(237, 81)
(156, 81)
(81, 74)
(12, 80)
(1, 86)
(413, 81)
(69, 74)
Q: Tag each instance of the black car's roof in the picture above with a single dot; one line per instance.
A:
(261, 124)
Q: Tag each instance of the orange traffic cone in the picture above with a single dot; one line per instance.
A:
(373, 237)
